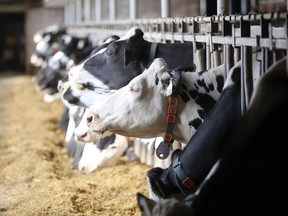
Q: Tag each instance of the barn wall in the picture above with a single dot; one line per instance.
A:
(37, 19)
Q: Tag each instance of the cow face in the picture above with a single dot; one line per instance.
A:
(109, 68)
(146, 93)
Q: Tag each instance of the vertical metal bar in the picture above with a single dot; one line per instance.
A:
(245, 6)
(222, 7)
(78, 10)
(87, 10)
(98, 10)
(112, 9)
(248, 77)
(133, 9)
(208, 56)
(245, 51)
(165, 8)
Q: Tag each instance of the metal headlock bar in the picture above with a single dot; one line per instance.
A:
(216, 39)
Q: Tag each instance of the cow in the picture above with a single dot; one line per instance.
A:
(249, 176)
(117, 62)
(139, 108)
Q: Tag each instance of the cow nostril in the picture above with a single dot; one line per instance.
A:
(84, 135)
(89, 119)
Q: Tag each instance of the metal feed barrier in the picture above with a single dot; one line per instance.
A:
(259, 40)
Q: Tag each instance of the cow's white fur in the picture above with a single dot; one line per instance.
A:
(94, 159)
(139, 109)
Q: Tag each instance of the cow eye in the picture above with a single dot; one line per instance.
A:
(88, 86)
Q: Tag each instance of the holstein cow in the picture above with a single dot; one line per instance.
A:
(116, 63)
(139, 109)
(250, 175)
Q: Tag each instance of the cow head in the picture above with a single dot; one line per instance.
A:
(146, 93)
(114, 65)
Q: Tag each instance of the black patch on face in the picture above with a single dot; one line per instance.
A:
(220, 82)
(195, 123)
(184, 97)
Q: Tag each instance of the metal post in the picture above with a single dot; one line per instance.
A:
(98, 10)
(133, 9)
(165, 8)
(78, 11)
(112, 10)
(87, 9)
(222, 7)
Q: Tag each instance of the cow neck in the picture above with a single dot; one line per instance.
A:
(152, 52)
(164, 147)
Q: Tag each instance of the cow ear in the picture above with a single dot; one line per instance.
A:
(128, 57)
(138, 34)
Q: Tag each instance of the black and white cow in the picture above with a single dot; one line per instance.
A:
(250, 175)
(117, 62)
(139, 108)
(90, 153)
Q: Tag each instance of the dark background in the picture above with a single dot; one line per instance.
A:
(12, 39)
